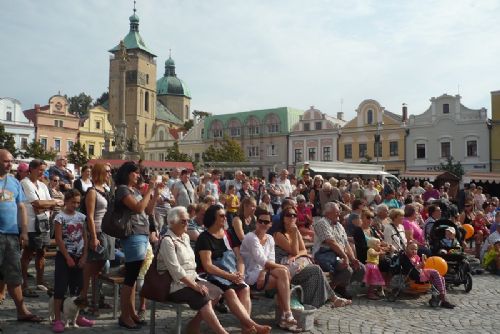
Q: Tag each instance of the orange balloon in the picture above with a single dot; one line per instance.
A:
(437, 263)
(469, 231)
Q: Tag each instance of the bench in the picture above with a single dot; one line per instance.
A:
(178, 317)
(115, 281)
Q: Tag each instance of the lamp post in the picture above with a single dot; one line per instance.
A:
(377, 149)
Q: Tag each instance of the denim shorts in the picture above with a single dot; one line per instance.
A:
(135, 247)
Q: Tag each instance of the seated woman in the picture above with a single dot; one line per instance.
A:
(243, 222)
(262, 273)
(177, 256)
(289, 248)
(413, 231)
(304, 218)
(224, 267)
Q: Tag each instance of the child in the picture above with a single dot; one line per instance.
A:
(70, 258)
(491, 259)
(481, 231)
(449, 243)
(425, 275)
(373, 277)
(232, 203)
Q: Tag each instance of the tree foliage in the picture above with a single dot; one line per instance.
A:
(100, 100)
(367, 159)
(198, 114)
(36, 150)
(228, 150)
(78, 154)
(173, 154)
(7, 141)
(188, 125)
(453, 167)
(79, 105)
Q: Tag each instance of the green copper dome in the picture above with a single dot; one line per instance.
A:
(134, 18)
(133, 40)
(170, 84)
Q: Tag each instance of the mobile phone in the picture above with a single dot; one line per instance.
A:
(158, 178)
(99, 249)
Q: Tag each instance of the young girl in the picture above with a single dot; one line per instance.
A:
(232, 203)
(70, 258)
(481, 231)
(431, 275)
(373, 277)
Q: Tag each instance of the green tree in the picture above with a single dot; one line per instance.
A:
(173, 154)
(229, 150)
(188, 125)
(367, 160)
(79, 104)
(100, 100)
(78, 154)
(453, 167)
(198, 114)
(36, 150)
(7, 141)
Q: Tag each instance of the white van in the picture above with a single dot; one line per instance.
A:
(347, 170)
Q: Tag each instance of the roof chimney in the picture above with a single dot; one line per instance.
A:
(340, 115)
(405, 112)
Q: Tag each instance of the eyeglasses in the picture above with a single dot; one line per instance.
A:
(108, 170)
(264, 221)
(55, 180)
(293, 215)
(184, 220)
(468, 205)
(222, 215)
(369, 217)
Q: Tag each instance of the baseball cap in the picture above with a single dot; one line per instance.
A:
(23, 167)
(451, 229)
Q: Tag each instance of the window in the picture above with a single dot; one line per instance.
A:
(235, 132)
(9, 116)
(393, 148)
(147, 79)
(472, 148)
(43, 141)
(420, 151)
(446, 108)
(70, 145)
(161, 157)
(146, 101)
(445, 149)
(146, 130)
(217, 133)
(98, 125)
(317, 126)
(298, 155)
(363, 150)
(348, 151)
(273, 128)
(377, 149)
(369, 116)
(197, 157)
(58, 123)
(161, 135)
(57, 145)
(91, 149)
(24, 143)
(272, 150)
(327, 153)
(253, 130)
(307, 127)
(253, 151)
(202, 132)
(312, 153)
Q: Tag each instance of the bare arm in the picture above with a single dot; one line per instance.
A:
(238, 228)
(210, 268)
(137, 206)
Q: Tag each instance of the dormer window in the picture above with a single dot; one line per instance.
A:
(446, 108)
(307, 127)
(317, 126)
(369, 116)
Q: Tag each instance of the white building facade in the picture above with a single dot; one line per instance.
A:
(14, 121)
(448, 129)
(314, 137)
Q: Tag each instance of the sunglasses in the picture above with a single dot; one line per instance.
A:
(222, 215)
(468, 205)
(264, 221)
(293, 215)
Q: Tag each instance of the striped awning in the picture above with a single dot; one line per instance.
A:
(427, 175)
(482, 177)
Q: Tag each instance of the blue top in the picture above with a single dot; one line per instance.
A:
(11, 194)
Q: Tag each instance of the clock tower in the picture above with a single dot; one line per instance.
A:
(132, 87)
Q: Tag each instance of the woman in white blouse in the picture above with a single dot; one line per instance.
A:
(177, 256)
(262, 273)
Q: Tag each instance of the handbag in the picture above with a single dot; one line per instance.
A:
(226, 262)
(156, 285)
(42, 223)
(116, 223)
(296, 266)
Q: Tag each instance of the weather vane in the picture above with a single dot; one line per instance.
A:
(134, 7)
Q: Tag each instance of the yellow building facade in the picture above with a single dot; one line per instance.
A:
(495, 131)
(93, 132)
(358, 138)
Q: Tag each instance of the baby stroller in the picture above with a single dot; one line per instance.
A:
(459, 271)
(406, 278)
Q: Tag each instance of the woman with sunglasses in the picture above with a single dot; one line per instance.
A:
(261, 270)
(244, 222)
(224, 267)
(289, 247)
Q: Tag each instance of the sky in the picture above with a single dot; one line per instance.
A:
(237, 55)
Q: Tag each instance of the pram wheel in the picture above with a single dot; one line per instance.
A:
(468, 282)
(434, 301)
(393, 295)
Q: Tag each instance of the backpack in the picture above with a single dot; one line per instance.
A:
(116, 221)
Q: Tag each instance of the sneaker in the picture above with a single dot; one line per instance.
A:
(447, 304)
(58, 326)
(84, 322)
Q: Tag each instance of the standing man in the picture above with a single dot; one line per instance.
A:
(12, 235)
(184, 190)
(65, 175)
(174, 178)
(284, 183)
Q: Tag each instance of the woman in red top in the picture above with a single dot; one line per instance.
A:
(304, 218)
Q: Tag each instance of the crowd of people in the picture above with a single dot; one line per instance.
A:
(222, 241)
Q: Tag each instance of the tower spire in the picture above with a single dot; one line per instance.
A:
(134, 7)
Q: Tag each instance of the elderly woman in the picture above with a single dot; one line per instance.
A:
(163, 204)
(263, 273)
(225, 268)
(394, 233)
(177, 256)
(380, 220)
(244, 222)
(289, 248)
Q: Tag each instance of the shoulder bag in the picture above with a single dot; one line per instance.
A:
(157, 286)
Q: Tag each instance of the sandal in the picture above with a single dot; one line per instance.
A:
(29, 293)
(289, 324)
(340, 302)
(30, 318)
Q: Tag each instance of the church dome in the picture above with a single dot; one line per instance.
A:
(170, 84)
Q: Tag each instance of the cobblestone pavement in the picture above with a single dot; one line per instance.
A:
(476, 312)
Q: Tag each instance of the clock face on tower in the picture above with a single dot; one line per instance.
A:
(59, 106)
